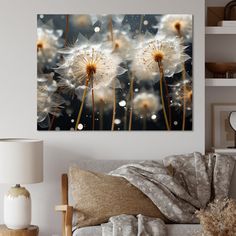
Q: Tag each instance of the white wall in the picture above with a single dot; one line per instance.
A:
(18, 97)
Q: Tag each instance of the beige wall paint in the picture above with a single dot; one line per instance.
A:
(18, 97)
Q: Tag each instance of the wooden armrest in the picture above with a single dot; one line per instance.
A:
(61, 208)
(67, 218)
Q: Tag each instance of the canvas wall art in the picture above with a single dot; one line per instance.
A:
(114, 72)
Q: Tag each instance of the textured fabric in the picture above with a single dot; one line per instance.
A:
(196, 180)
(124, 225)
(100, 196)
(172, 230)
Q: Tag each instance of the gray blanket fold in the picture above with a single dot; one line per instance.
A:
(177, 185)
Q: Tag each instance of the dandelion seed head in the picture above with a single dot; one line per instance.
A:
(103, 99)
(90, 63)
(167, 51)
(48, 43)
(176, 25)
(145, 104)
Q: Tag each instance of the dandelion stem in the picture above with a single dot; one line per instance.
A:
(101, 110)
(82, 103)
(93, 105)
(114, 105)
(145, 121)
(162, 97)
(52, 122)
(141, 24)
(184, 96)
(168, 103)
(131, 102)
(184, 87)
(111, 28)
(66, 31)
(125, 119)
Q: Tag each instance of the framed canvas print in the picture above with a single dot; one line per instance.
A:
(222, 133)
(114, 72)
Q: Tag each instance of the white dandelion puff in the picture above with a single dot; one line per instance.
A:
(103, 97)
(48, 42)
(48, 103)
(168, 51)
(146, 104)
(177, 25)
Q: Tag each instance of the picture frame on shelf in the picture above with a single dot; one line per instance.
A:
(222, 133)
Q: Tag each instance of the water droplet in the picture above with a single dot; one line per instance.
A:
(122, 103)
(72, 120)
(97, 29)
(145, 22)
(80, 126)
(136, 90)
(41, 16)
(153, 117)
(117, 121)
(175, 122)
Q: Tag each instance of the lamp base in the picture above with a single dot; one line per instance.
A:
(17, 208)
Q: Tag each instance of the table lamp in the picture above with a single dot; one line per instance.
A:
(21, 162)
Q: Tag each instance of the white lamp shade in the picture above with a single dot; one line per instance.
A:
(21, 161)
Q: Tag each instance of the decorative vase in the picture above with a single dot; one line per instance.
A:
(17, 208)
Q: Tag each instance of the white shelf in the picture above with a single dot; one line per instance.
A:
(220, 30)
(209, 82)
(231, 151)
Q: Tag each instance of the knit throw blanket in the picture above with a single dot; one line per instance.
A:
(178, 185)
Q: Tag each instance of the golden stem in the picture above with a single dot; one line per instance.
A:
(184, 86)
(114, 105)
(93, 105)
(161, 91)
(82, 103)
(125, 119)
(184, 96)
(141, 24)
(101, 108)
(66, 30)
(131, 102)
(168, 103)
(111, 28)
(145, 121)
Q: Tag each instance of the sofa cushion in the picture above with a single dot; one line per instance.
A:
(172, 229)
(98, 196)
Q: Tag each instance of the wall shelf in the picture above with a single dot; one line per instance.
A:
(220, 30)
(211, 82)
